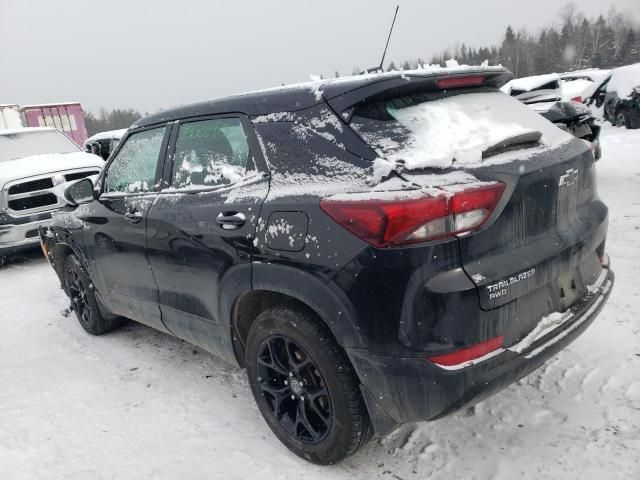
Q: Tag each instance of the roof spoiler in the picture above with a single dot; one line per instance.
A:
(407, 83)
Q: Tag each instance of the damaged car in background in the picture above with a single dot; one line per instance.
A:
(375, 250)
(103, 143)
(620, 96)
(32, 162)
(544, 94)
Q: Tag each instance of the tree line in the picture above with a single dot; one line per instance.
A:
(575, 42)
(110, 120)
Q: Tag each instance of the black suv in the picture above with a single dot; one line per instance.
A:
(375, 250)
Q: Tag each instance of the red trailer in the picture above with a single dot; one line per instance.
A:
(67, 117)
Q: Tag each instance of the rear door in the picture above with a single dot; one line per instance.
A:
(201, 227)
(114, 233)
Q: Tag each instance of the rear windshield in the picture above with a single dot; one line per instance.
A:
(25, 144)
(427, 130)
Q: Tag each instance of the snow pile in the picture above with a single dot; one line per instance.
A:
(455, 131)
(544, 326)
(624, 80)
(451, 130)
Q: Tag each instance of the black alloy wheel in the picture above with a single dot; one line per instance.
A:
(294, 389)
(79, 289)
(78, 294)
(304, 385)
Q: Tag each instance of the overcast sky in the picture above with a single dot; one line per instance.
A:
(157, 54)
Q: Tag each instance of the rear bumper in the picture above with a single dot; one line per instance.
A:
(403, 390)
(18, 236)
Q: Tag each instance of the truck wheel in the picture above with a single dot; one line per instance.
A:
(305, 387)
(79, 289)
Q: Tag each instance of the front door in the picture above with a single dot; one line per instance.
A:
(201, 228)
(115, 228)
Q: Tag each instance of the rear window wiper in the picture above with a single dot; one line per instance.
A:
(524, 140)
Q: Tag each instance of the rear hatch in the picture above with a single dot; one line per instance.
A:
(540, 244)
(548, 232)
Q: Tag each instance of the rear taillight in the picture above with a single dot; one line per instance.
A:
(469, 355)
(577, 99)
(387, 220)
(459, 82)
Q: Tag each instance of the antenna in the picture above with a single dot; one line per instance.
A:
(389, 37)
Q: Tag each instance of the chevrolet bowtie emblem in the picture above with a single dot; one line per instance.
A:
(569, 178)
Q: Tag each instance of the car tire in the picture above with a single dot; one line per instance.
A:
(289, 355)
(79, 288)
(621, 119)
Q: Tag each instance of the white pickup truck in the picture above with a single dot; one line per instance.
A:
(32, 162)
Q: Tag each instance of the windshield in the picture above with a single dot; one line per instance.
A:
(427, 130)
(38, 142)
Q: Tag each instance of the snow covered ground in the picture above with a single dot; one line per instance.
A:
(139, 404)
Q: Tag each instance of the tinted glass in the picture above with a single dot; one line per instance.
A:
(134, 168)
(210, 153)
(432, 130)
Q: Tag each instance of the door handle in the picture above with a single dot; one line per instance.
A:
(133, 216)
(231, 220)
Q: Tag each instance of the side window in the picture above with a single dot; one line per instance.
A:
(133, 170)
(210, 153)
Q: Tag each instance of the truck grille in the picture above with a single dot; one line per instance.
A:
(33, 202)
(33, 195)
(32, 186)
(78, 175)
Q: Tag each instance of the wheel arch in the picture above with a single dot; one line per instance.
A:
(61, 249)
(280, 284)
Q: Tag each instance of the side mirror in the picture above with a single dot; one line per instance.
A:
(80, 192)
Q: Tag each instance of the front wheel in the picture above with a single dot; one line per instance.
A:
(621, 119)
(305, 387)
(79, 289)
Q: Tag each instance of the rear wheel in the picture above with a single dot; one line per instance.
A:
(621, 119)
(79, 288)
(305, 387)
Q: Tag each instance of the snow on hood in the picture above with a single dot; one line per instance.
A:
(529, 83)
(49, 163)
(624, 80)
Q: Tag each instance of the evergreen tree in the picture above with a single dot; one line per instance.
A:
(576, 43)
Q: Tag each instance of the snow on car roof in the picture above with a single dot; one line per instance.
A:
(298, 96)
(318, 85)
(596, 74)
(529, 83)
(105, 135)
(624, 80)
